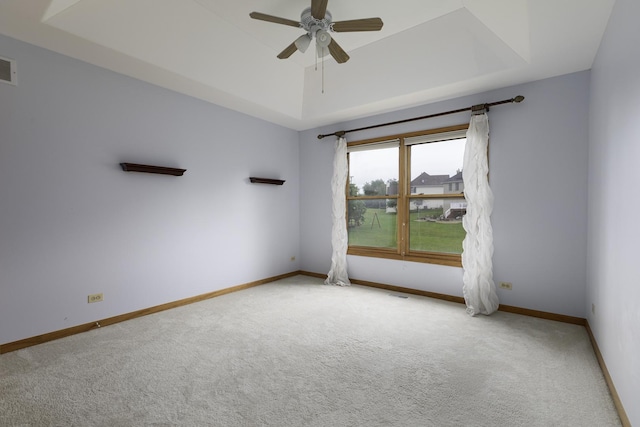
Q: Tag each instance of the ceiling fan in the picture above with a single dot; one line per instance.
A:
(317, 22)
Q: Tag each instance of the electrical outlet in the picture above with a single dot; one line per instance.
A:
(95, 298)
(506, 285)
(293, 258)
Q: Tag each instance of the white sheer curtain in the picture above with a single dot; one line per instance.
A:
(339, 237)
(477, 248)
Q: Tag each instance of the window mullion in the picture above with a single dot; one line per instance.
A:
(403, 212)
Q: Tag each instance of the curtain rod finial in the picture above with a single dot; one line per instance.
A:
(518, 98)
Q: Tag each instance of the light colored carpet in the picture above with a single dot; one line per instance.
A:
(298, 353)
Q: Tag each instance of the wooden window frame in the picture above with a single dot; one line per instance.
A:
(404, 196)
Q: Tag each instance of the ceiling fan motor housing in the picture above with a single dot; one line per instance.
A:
(313, 25)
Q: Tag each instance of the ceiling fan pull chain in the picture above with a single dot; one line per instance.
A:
(323, 70)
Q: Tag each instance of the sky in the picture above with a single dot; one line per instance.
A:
(440, 158)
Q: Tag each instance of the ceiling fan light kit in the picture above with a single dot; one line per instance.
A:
(302, 43)
(323, 38)
(317, 21)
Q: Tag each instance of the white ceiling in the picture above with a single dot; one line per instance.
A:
(211, 49)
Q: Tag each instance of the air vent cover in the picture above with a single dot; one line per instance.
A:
(8, 71)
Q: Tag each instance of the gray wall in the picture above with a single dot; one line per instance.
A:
(72, 223)
(614, 158)
(538, 172)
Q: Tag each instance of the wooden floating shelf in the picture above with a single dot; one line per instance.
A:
(255, 180)
(134, 167)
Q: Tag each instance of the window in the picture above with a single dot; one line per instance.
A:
(405, 196)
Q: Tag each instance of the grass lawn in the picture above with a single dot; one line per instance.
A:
(423, 235)
(378, 230)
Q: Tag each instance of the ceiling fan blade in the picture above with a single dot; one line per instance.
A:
(367, 24)
(318, 8)
(337, 52)
(288, 51)
(275, 19)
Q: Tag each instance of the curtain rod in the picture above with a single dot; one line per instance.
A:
(479, 107)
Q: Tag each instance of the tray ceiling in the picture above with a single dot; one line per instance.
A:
(212, 50)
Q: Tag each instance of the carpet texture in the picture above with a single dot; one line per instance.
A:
(299, 353)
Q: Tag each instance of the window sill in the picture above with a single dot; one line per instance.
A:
(451, 260)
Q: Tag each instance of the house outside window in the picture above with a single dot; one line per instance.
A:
(405, 196)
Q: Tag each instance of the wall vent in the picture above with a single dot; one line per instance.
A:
(8, 72)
